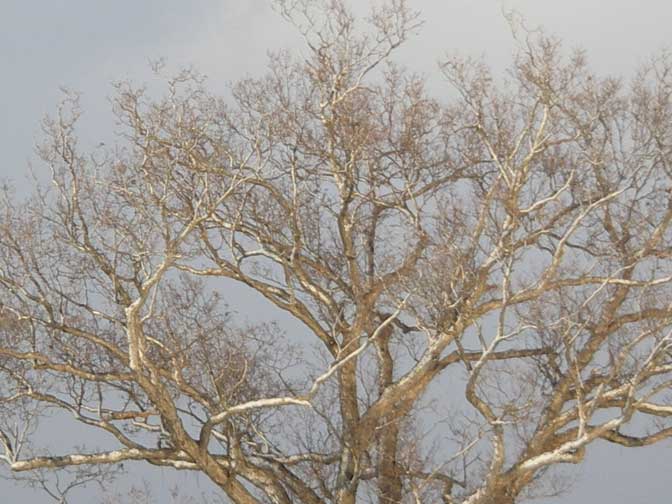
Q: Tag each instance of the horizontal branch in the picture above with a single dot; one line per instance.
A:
(165, 457)
(503, 355)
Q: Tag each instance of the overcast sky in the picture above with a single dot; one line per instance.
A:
(85, 45)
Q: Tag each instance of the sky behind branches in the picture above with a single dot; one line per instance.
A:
(84, 46)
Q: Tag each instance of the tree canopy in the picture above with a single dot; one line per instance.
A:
(496, 261)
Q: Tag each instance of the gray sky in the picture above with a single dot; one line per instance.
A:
(85, 45)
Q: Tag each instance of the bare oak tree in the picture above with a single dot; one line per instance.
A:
(499, 262)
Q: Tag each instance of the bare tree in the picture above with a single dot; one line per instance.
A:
(498, 263)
